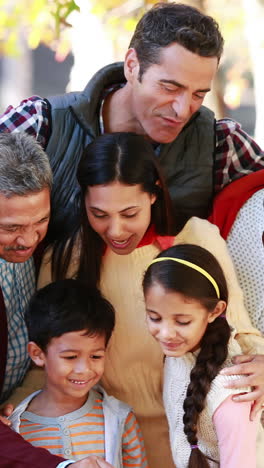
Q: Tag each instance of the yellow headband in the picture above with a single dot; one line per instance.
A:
(191, 265)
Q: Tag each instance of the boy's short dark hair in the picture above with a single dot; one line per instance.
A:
(66, 306)
(168, 23)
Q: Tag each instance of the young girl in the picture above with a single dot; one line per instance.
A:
(186, 298)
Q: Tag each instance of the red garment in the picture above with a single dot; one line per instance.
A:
(17, 453)
(150, 237)
(228, 202)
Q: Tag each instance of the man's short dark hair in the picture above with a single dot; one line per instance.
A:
(66, 306)
(167, 23)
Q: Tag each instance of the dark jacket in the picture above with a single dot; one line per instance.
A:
(17, 453)
(187, 162)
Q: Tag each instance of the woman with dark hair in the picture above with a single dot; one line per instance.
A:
(125, 223)
(186, 298)
(112, 163)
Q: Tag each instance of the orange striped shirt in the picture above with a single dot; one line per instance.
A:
(81, 433)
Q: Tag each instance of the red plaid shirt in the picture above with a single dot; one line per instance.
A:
(236, 153)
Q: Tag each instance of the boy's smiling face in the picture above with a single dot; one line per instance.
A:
(74, 363)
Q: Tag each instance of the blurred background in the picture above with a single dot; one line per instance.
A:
(48, 47)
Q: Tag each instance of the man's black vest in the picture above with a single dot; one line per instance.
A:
(187, 162)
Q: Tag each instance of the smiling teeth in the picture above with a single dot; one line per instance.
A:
(120, 242)
(78, 382)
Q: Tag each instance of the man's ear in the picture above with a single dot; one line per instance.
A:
(131, 66)
(36, 354)
(219, 309)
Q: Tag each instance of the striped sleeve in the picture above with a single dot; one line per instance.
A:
(133, 449)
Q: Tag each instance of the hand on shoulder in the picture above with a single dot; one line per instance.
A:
(251, 368)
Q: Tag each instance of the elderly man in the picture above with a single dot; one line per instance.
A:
(25, 184)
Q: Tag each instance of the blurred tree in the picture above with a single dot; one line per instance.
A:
(50, 21)
(23, 25)
(40, 20)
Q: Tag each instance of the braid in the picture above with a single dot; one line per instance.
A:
(213, 353)
(188, 270)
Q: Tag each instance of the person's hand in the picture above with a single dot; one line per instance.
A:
(6, 411)
(91, 462)
(251, 367)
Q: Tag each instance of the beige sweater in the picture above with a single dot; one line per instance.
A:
(134, 365)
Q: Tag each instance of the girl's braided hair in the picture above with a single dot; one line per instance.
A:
(177, 277)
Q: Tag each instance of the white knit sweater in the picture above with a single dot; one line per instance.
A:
(249, 262)
(176, 380)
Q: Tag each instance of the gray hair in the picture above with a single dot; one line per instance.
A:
(24, 166)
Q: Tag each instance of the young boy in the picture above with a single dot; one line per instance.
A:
(69, 328)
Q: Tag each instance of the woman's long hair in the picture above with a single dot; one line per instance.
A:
(124, 157)
(176, 277)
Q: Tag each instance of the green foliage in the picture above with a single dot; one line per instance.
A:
(47, 21)
(37, 20)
